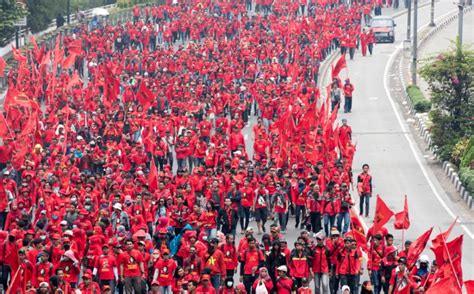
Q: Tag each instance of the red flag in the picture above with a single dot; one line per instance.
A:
(454, 248)
(75, 79)
(360, 239)
(417, 247)
(36, 50)
(446, 285)
(18, 55)
(402, 221)
(69, 61)
(469, 285)
(3, 64)
(3, 127)
(152, 177)
(382, 214)
(439, 239)
(75, 47)
(145, 96)
(340, 64)
(356, 224)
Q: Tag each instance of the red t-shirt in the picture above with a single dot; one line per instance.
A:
(105, 267)
(131, 263)
(166, 271)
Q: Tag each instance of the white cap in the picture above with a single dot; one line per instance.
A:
(424, 259)
(63, 222)
(118, 206)
(282, 268)
(68, 232)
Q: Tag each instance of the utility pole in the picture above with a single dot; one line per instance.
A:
(460, 20)
(432, 23)
(415, 42)
(68, 9)
(409, 21)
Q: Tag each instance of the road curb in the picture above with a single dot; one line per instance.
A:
(420, 122)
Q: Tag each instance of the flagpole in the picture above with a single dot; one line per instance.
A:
(449, 258)
(403, 238)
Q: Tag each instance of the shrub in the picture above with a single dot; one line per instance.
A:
(420, 103)
(466, 175)
(458, 151)
(468, 156)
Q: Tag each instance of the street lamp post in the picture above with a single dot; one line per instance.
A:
(460, 20)
(415, 43)
(432, 23)
(409, 21)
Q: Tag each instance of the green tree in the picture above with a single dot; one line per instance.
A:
(10, 12)
(450, 76)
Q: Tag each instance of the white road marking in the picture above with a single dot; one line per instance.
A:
(407, 137)
(373, 98)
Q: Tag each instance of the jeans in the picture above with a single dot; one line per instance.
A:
(328, 223)
(244, 216)
(348, 280)
(165, 290)
(299, 211)
(248, 282)
(282, 220)
(133, 283)
(343, 217)
(321, 283)
(211, 233)
(216, 281)
(315, 218)
(364, 198)
(375, 280)
(347, 104)
(5, 274)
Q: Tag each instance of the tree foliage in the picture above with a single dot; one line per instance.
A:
(450, 76)
(10, 12)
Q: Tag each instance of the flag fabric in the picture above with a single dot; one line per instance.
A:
(3, 127)
(75, 80)
(18, 55)
(447, 285)
(360, 239)
(382, 214)
(152, 177)
(469, 285)
(75, 47)
(340, 64)
(69, 61)
(454, 248)
(439, 239)
(402, 220)
(145, 96)
(356, 224)
(3, 64)
(417, 247)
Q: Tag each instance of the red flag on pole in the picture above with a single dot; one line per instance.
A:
(438, 240)
(402, 221)
(152, 177)
(18, 55)
(417, 247)
(446, 285)
(356, 224)
(340, 64)
(145, 96)
(3, 127)
(69, 61)
(3, 64)
(360, 239)
(382, 214)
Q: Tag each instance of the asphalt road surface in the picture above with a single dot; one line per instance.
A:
(384, 141)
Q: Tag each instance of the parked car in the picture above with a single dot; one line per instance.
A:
(383, 28)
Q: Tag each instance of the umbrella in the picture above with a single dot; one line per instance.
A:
(99, 12)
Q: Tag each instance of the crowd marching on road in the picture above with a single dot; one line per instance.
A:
(124, 167)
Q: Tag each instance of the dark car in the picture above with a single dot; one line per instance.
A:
(383, 28)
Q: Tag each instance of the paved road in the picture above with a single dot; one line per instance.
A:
(384, 141)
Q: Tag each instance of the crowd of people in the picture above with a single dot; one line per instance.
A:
(125, 168)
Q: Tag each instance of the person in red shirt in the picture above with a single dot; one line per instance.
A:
(43, 269)
(106, 269)
(132, 268)
(164, 272)
(88, 286)
(321, 263)
(364, 188)
(230, 255)
(213, 260)
(263, 282)
(401, 281)
(348, 89)
(250, 260)
(284, 284)
(205, 287)
(304, 289)
(375, 256)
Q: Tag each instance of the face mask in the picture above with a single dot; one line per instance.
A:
(229, 284)
(55, 217)
(87, 206)
(73, 199)
(43, 237)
